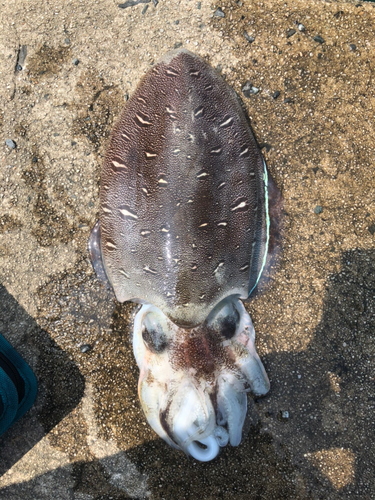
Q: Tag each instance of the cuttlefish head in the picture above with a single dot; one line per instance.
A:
(193, 382)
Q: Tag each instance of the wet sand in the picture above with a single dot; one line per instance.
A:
(86, 438)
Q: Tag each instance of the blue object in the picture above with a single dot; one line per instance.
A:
(18, 386)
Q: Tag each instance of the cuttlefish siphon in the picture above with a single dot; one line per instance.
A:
(188, 218)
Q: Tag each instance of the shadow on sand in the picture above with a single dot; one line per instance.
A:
(60, 383)
(331, 414)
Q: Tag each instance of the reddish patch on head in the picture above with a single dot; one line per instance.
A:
(201, 350)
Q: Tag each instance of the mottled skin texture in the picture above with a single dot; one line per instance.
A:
(189, 218)
(182, 194)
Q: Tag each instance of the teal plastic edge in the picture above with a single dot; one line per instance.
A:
(9, 398)
(265, 179)
(31, 384)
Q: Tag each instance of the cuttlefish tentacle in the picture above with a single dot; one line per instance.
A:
(191, 407)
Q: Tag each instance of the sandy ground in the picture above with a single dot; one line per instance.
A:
(66, 70)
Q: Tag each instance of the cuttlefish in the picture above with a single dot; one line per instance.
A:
(188, 222)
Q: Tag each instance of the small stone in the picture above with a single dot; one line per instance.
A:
(283, 416)
(276, 94)
(35, 159)
(287, 100)
(318, 39)
(318, 209)
(249, 89)
(301, 27)
(219, 13)
(126, 97)
(352, 47)
(73, 143)
(290, 33)
(199, 5)
(155, 2)
(144, 9)
(372, 229)
(85, 348)
(75, 62)
(67, 41)
(177, 45)
(22, 53)
(11, 144)
(249, 38)
(177, 22)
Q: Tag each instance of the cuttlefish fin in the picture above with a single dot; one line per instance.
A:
(94, 247)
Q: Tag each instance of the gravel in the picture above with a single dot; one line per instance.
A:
(219, 13)
(249, 38)
(318, 39)
(11, 144)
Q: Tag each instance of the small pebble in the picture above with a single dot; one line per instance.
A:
(352, 46)
(177, 45)
(372, 229)
(249, 89)
(35, 159)
(67, 41)
(199, 5)
(219, 13)
(177, 22)
(276, 94)
(318, 209)
(301, 27)
(75, 62)
(318, 39)
(11, 144)
(145, 9)
(22, 53)
(85, 348)
(287, 100)
(290, 33)
(249, 38)
(283, 416)
(155, 2)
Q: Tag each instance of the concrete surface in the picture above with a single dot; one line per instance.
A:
(66, 69)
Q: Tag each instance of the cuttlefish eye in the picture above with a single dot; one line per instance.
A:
(225, 319)
(153, 334)
(228, 326)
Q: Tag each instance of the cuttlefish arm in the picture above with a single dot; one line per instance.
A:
(193, 383)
